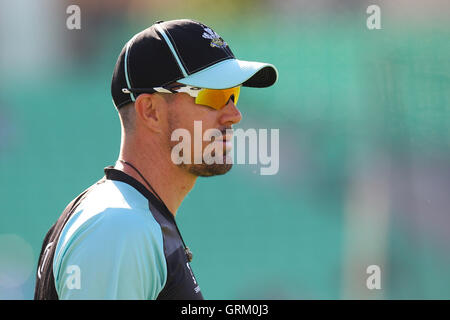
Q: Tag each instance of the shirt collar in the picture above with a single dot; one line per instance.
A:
(112, 173)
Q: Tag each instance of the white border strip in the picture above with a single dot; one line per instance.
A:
(163, 33)
(133, 98)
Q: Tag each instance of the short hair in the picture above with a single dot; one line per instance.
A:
(127, 115)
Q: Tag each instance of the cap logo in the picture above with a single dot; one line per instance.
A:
(216, 40)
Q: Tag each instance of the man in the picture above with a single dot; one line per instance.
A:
(119, 239)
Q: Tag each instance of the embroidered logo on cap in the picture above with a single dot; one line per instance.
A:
(216, 40)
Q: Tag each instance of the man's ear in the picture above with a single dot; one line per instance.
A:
(149, 111)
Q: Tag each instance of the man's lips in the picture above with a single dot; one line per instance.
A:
(226, 140)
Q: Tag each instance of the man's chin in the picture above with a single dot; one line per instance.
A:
(209, 170)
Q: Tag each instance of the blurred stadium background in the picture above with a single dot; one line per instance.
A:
(364, 119)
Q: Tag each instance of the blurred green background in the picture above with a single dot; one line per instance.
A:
(364, 120)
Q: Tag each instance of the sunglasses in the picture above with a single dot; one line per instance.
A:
(213, 98)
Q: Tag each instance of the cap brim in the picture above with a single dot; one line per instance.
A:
(233, 72)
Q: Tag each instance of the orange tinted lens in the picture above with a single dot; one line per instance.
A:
(217, 99)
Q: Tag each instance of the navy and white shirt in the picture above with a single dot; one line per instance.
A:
(116, 240)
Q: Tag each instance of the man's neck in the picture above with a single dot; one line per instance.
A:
(169, 181)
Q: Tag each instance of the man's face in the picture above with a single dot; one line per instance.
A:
(183, 112)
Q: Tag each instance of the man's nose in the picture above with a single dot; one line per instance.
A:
(230, 113)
